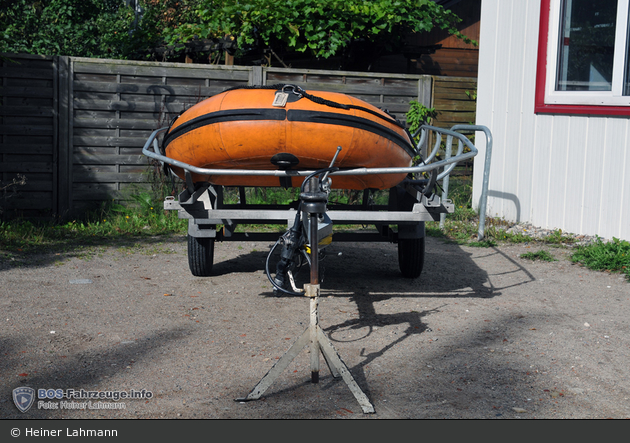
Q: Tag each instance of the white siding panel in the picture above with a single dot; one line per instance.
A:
(557, 180)
(485, 88)
(554, 171)
(507, 79)
(615, 146)
(513, 97)
(576, 181)
(504, 182)
(527, 132)
(540, 172)
(592, 152)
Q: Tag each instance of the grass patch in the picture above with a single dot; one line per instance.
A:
(539, 255)
(612, 256)
(110, 222)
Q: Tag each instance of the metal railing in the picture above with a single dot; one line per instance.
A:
(465, 150)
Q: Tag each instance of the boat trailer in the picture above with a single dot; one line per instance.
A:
(310, 222)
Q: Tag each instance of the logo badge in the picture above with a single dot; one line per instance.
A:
(23, 398)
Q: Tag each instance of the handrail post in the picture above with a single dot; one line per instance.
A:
(483, 201)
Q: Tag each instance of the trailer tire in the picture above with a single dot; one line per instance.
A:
(200, 255)
(411, 256)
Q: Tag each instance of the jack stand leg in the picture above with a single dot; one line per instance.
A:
(335, 364)
(340, 367)
(277, 369)
(314, 340)
(313, 335)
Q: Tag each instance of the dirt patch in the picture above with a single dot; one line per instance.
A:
(482, 333)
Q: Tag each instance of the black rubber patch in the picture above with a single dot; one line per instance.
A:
(285, 160)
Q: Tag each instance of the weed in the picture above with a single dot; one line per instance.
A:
(419, 115)
(557, 237)
(483, 243)
(9, 190)
(612, 256)
(539, 255)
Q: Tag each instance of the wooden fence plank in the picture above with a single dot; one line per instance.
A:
(25, 72)
(25, 148)
(110, 141)
(156, 69)
(26, 167)
(111, 159)
(93, 176)
(454, 94)
(151, 89)
(114, 123)
(410, 90)
(107, 105)
(455, 105)
(25, 91)
(26, 130)
(26, 110)
(34, 203)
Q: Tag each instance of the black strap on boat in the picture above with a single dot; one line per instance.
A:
(322, 101)
(332, 104)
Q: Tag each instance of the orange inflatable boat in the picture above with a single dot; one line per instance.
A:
(283, 127)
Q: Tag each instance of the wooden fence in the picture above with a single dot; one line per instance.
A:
(75, 127)
(454, 99)
(29, 116)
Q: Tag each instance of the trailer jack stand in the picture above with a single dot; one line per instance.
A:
(314, 204)
(313, 335)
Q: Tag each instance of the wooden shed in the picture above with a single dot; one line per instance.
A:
(442, 54)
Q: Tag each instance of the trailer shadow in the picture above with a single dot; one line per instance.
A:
(371, 270)
(368, 275)
(354, 269)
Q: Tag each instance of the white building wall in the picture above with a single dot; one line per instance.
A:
(554, 171)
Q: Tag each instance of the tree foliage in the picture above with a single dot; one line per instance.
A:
(319, 28)
(323, 28)
(90, 28)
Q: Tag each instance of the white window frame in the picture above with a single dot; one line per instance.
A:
(614, 97)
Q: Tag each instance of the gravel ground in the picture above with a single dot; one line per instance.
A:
(482, 334)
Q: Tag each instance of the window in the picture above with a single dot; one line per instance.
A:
(583, 57)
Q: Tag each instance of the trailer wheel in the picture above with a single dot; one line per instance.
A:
(200, 255)
(411, 256)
